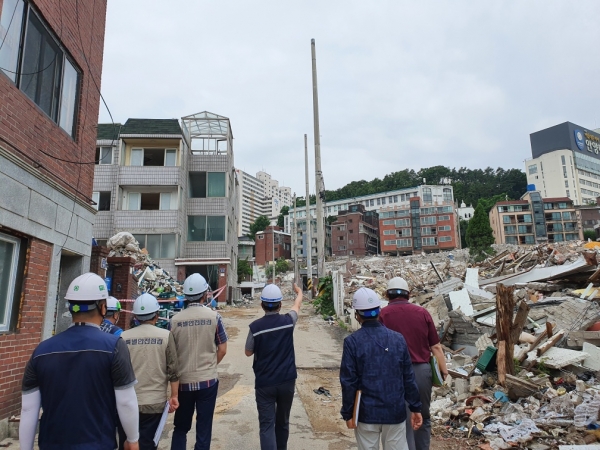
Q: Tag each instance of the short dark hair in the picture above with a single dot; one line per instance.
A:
(393, 294)
(271, 306)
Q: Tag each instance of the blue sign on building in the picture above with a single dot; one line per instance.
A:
(579, 140)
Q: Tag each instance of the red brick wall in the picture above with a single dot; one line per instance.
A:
(122, 275)
(27, 128)
(16, 347)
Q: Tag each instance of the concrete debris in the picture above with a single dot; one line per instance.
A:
(150, 276)
(512, 328)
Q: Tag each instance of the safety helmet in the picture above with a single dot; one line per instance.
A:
(145, 306)
(271, 294)
(84, 291)
(194, 286)
(112, 304)
(398, 286)
(366, 299)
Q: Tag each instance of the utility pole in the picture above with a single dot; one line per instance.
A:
(319, 184)
(273, 250)
(295, 241)
(307, 235)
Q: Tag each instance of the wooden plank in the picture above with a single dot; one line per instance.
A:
(519, 322)
(501, 362)
(547, 332)
(550, 343)
(505, 305)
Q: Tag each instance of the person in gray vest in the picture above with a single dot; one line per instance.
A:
(154, 359)
(271, 341)
(201, 343)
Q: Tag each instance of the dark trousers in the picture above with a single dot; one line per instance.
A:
(274, 404)
(420, 439)
(148, 425)
(203, 403)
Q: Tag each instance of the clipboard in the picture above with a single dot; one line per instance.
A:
(436, 376)
(356, 409)
(161, 425)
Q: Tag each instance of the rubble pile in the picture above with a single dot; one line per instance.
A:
(520, 331)
(148, 273)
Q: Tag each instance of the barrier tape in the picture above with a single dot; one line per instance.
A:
(215, 294)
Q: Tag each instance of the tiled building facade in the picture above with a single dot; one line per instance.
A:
(47, 139)
(177, 196)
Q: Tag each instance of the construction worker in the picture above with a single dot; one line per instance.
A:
(80, 377)
(416, 325)
(154, 359)
(201, 343)
(271, 341)
(375, 360)
(113, 311)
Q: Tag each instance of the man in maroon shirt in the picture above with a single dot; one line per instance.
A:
(416, 325)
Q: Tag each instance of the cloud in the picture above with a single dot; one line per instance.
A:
(401, 84)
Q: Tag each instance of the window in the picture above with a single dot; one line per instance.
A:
(9, 269)
(388, 222)
(562, 205)
(568, 194)
(511, 229)
(207, 184)
(427, 197)
(444, 228)
(566, 183)
(512, 240)
(402, 243)
(350, 242)
(206, 228)
(445, 238)
(428, 220)
(562, 159)
(429, 241)
(104, 155)
(568, 215)
(402, 222)
(102, 200)
(447, 194)
(506, 219)
(428, 230)
(393, 242)
(46, 74)
(379, 201)
(525, 229)
(404, 232)
(159, 246)
(395, 199)
(340, 238)
(372, 202)
(565, 171)
(342, 247)
(153, 157)
(444, 218)
(261, 236)
(383, 201)
(389, 232)
(532, 169)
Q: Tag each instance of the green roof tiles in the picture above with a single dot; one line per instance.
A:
(151, 126)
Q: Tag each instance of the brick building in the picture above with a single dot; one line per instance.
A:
(418, 226)
(590, 215)
(533, 220)
(50, 67)
(355, 232)
(265, 248)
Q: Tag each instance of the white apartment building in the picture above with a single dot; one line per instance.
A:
(565, 163)
(260, 196)
(175, 189)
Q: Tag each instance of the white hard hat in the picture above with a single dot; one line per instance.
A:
(88, 287)
(145, 305)
(112, 304)
(398, 286)
(365, 298)
(194, 286)
(271, 294)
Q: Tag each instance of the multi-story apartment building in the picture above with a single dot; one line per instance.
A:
(565, 163)
(533, 219)
(355, 232)
(174, 188)
(429, 194)
(49, 106)
(260, 196)
(268, 249)
(418, 227)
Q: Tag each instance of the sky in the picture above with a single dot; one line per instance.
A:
(402, 84)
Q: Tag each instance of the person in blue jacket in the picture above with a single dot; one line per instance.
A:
(113, 311)
(375, 361)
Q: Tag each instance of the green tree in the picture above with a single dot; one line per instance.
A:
(488, 203)
(244, 270)
(260, 224)
(479, 234)
(282, 266)
(589, 234)
(463, 224)
(282, 213)
(331, 219)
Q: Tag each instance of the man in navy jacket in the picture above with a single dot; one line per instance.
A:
(376, 361)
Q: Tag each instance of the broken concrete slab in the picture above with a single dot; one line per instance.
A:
(448, 286)
(593, 361)
(557, 358)
(460, 299)
(578, 338)
(472, 277)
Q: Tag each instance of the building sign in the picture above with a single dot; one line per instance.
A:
(579, 139)
(592, 143)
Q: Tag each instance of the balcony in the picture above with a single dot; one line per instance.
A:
(150, 176)
(146, 220)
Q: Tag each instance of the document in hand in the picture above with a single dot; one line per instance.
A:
(161, 425)
(356, 408)
(437, 378)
